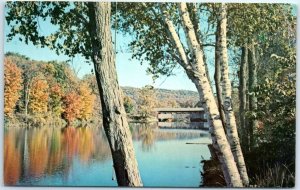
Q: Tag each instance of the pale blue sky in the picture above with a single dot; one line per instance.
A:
(130, 71)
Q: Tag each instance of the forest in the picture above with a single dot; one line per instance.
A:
(240, 57)
(50, 93)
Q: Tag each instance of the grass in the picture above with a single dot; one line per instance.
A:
(276, 176)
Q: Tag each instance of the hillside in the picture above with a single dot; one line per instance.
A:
(184, 98)
(62, 73)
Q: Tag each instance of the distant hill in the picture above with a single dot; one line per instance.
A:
(184, 98)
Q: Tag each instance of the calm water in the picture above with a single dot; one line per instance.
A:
(81, 156)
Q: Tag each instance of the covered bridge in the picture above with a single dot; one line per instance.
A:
(186, 118)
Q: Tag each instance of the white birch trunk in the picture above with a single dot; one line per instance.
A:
(217, 78)
(176, 40)
(201, 81)
(231, 127)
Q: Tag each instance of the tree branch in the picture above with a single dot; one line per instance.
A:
(175, 40)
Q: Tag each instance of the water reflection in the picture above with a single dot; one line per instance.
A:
(12, 158)
(148, 134)
(66, 156)
(48, 150)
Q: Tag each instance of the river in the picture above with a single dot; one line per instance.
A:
(53, 156)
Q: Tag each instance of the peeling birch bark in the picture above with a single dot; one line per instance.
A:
(199, 77)
(217, 78)
(231, 126)
(175, 39)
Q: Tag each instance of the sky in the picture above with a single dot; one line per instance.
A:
(130, 71)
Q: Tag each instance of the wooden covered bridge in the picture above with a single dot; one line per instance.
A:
(182, 118)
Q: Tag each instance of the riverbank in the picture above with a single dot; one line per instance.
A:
(141, 119)
(212, 175)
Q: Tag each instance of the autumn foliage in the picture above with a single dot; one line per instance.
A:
(72, 106)
(79, 105)
(147, 101)
(50, 92)
(39, 95)
(56, 95)
(12, 86)
(87, 102)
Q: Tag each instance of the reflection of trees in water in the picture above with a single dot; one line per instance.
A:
(56, 152)
(12, 158)
(148, 133)
(141, 130)
(70, 142)
(86, 142)
(181, 134)
(102, 151)
(86, 147)
(37, 151)
(147, 136)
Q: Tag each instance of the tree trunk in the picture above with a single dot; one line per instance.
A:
(114, 115)
(26, 103)
(199, 78)
(252, 65)
(27, 99)
(243, 97)
(231, 126)
(217, 78)
(195, 19)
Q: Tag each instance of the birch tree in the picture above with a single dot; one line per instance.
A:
(84, 28)
(206, 95)
(217, 78)
(231, 127)
(190, 58)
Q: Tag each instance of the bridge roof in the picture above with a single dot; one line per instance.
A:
(179, 109)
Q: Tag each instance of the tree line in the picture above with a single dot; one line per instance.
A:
(44, 92)
(50, 93)
(181, 33)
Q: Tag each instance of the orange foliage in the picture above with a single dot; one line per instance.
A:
(38, 102)
(72, 106)
(12, 160)
(12, 86)
(56, 90)
(55, 99)
(87, 101)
